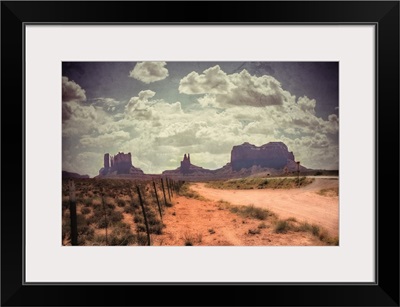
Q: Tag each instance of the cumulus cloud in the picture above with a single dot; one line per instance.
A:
(158, 132)
(104, 140)
(139, 106)
(72, 91)
(109, 104)
(306, 104)
(144, 108)
(84, 119)
(149, 72)
(212, 81)
(238, 89)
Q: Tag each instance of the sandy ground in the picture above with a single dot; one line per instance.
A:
(204, 223)
(207, 223)
(304, 204)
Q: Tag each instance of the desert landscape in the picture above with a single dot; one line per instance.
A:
(159, 153)
(258, 212)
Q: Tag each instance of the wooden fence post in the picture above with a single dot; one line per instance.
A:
(170, 182)
(158, 202)
(165, 198)
(144, 215)
(72, 213)
(105, 215)
(169, 194)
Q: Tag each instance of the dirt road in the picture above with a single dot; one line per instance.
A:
(304, 204)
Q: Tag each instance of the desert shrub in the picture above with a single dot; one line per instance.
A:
(98, 240)
(103, 222)
(249, 211)
(66, 228)
(87, 202)
(110, 205)
(115, 216)
(318, 232)
(139, 219)
(260, 183)
(315, 230)
(256, 213)
(186, 191)
(254, 231)
(140, 227)
(85, 235)
(65, 204)
(134, 205)
(85, 210)
(330, 240)
(141, 239)
(211, 231)
(122, 236)
(156, 229)
(121, 203)
(190, 239)
(152, 218)
(85, 232)
(262, 225)
(282, 227)
(129, 209)
(329, 192)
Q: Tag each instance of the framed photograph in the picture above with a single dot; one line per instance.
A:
(241, 146)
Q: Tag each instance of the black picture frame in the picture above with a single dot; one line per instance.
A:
(383, 14)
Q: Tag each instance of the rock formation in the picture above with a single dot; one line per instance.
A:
(270, 159)
(187, 168)
(185, 164)
(119, 164)
(271, 155)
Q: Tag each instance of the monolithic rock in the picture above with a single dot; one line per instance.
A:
(271, 155)
(187, 168)
(119, 164)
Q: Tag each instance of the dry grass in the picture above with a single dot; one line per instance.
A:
(331, 192)
(249, 211)
(186, 191)
(105, 204)
(291, 224)
(192, 238)
(260, 183)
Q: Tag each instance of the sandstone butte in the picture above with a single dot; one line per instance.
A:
(272, 158)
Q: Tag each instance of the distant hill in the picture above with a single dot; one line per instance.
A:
(66, 174)
(270, 159)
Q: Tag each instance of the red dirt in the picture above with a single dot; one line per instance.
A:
(204, 223)
(303, 204)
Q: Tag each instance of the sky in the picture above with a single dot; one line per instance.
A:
(158, 111)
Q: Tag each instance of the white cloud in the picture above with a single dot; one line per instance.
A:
(149, 72)
(158, 133)
(105, 140)
(84, 119)
(306, 104)
(109, 104)
(237, 89)
(212, 81)
(71, 91)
